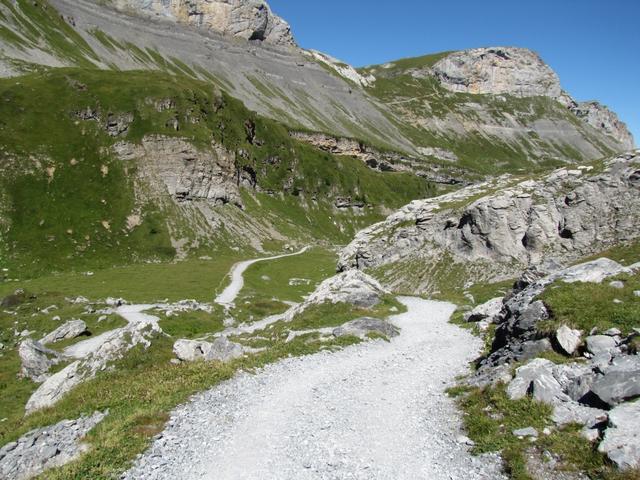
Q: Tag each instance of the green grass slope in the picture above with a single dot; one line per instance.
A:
(66, 199)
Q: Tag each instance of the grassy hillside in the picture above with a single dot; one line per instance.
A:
(67, 199)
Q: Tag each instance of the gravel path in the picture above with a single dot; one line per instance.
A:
(370, 411)
(229, 294)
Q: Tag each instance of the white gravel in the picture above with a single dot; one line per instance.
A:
(371, 411)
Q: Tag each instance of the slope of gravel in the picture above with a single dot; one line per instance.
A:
(372, 411)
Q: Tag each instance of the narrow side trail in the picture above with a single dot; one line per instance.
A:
(229, 294)
(372, 411)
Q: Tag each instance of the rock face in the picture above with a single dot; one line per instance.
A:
(186, 173)
(71, 329)
(37, 360)
(221, 349)
(514, 71)
(46, 448)
(601, 118)
(361, 327)
(567, 215)
(385, 161)
(246, 19)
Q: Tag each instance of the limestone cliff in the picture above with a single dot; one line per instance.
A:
(247, 19)
(494, 230)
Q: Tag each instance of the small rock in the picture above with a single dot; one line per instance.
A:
(526, 432)
(221, 349)
(612, 332)
(590, 434)
(637, 293)
(617, 301)
(488, 310)
(568, 339)
(616, 284)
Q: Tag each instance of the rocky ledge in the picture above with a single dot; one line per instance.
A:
(495, 229)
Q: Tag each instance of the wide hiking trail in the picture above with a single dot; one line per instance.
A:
(377, 410)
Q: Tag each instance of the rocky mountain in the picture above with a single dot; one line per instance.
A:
(489, 232)
(494, 107)
(404, 106)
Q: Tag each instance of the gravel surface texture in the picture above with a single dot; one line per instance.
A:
(372, 411)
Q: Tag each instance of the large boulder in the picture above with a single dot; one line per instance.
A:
(620, 382)
(246, 19)
(45, 448)
(221, 350)
(37, 360)
(71, 329)
(622, 439)
(362, 327)
(353, 287)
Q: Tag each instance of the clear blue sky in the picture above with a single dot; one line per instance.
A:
(594, 45)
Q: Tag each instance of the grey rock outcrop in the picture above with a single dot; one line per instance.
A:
(185, 172)
(515, 71)
(598, 344)
(361, 327)
(71, 329)
(565, 216)
(112, 347)
(221, 349)
(246, 19)
(45, 448)
(37, 360)
(622, 439)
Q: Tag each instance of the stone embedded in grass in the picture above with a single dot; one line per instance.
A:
(568, 339)
(536, 377)
(637, 293)
(71, 329)
(221, 349)
(617, 284)
(361, 327)
(526, 432)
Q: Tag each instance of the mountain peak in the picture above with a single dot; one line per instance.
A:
(246, 19)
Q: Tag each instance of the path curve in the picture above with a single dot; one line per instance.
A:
(229, 294)
(371, 411)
